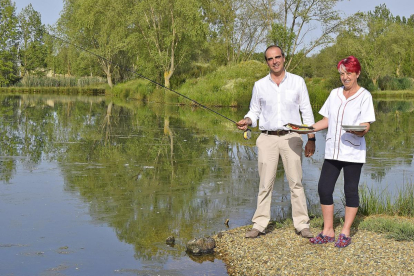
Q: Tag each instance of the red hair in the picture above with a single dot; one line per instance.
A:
(351, 64)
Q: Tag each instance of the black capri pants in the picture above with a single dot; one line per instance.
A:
(329, 175)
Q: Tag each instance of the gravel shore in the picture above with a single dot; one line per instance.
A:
(282, 252)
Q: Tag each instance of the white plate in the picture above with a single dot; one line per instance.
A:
(353, 128)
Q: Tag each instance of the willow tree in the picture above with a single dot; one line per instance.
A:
(97, 26)
(169, 31)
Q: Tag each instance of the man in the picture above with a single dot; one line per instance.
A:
(276, 101)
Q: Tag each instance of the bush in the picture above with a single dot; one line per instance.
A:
(391, 83)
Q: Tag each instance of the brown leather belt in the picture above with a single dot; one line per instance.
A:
(276, 132)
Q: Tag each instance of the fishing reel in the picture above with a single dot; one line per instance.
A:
(247, 134)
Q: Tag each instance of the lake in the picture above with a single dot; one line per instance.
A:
(91, 186)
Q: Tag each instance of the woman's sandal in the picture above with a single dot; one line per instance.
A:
(320, 239)
(343, 241)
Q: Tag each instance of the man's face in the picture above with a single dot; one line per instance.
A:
(275, 60)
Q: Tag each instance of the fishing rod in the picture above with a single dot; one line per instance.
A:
(246, 134)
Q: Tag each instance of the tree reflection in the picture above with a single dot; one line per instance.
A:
(152, 171)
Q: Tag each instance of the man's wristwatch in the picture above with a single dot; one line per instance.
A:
(312, 139)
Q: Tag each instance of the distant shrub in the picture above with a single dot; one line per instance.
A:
(391, 83)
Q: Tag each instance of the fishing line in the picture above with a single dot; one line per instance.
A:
(247, 133)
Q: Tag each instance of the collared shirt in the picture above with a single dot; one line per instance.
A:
(277, 105)
(357, 109)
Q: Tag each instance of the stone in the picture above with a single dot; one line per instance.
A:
(170, 240)
(201, 246)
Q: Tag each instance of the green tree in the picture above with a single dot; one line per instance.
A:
(280, 35)
(298, 18)
(8, 43)
(169, 31)
(98, 26)
(236, 27)
(32, 49)
(385, 46)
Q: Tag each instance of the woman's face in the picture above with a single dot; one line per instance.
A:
(349, 80)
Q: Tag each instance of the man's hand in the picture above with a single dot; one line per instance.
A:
(243, 124)
(309, 148)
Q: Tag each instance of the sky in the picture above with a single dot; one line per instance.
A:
(50, 9)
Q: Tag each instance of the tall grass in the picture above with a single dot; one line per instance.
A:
(59, 81)
(54, 90)
(374, 202)
(137, 89)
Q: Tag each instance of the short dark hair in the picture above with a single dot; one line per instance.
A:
(273, 46)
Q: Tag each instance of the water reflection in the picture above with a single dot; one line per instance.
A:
(152, 171)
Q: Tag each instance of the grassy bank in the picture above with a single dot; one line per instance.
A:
(382, 213)
(228, 86)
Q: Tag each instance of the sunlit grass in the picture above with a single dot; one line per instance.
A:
(397, 228)
(374, 202)
(380, 212)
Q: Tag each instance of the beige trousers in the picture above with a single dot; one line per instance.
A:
(289, 147)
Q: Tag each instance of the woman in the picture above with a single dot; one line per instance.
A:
(346, 105)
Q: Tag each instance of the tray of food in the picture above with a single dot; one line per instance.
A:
(299, 128)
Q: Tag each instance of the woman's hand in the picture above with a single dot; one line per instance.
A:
(363, 132)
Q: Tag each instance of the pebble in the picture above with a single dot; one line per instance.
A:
(282, 252)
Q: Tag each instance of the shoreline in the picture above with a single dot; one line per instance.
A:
(282, 252)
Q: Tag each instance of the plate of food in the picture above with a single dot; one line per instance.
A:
(353, 128)
(299, 128)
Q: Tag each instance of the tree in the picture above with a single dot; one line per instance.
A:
(283, 37)
(98, 26)
(299, 18)
(374, 48)
(8, 43)
(32, 49)
(236, 27)
(170, 32)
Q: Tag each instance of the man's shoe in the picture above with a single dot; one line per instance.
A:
(253, 233)
(305, 233)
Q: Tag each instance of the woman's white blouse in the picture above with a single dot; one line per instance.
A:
(357, 109)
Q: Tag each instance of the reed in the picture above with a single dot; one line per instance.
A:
(59, 81)
(388, 94)
(374, 202)
(54, 90)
